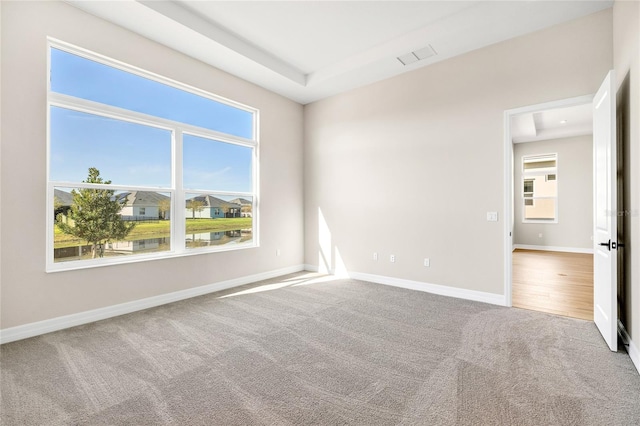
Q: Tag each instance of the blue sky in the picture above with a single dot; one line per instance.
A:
(134, 154)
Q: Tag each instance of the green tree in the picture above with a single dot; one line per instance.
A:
(164, 206)
(57, 207)
(95, 215)
(195, 206)
(56, 203)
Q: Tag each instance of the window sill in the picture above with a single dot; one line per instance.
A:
(99, 263)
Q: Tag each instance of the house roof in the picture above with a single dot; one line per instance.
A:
(241, 201)
(63, 197)
(143, 198)
(211, 201)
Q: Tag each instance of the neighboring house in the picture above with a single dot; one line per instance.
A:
(62, 202)
(213, 208)
(247, 206)
(143, 205)
(213, 238)
(140, 205)
(64, 199)
(150, 244)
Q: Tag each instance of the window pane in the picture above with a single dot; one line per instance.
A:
(83, 78)
(528, 186)
(216, 220)
(541, 186)
(541, 209)
(216, 166)
(84, 227)
(538, 164)
(124, 152)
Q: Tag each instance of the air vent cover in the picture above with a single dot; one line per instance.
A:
(407, 59)
(417, 55)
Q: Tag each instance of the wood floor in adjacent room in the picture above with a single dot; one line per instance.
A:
(553, 282)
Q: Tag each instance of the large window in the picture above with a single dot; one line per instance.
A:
(141, 167)
(540, 188)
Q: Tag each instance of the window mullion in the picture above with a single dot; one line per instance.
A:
(179, 220)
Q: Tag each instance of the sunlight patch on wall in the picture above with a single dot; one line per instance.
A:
(324, 244)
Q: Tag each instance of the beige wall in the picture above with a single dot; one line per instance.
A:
(390, 167)
(28, 293)
(626, 55)
(575, 194)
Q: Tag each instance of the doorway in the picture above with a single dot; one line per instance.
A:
(549, 207)
(559, 283)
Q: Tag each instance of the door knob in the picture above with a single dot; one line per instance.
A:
(612, 245)
(608, 245)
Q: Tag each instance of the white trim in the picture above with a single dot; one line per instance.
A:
(112, 186)
(54, 324)
(554, 248)
(508, 177)
(549, 222)
(178, 215)
(508, 207)
(442, 290)
(630, 346)
(73, 265)
(86, 106)
(122, 66)
(525, 174)
(310, 268)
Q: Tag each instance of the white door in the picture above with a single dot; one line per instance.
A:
(605, 312)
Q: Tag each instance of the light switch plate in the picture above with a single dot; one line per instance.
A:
(492, 216)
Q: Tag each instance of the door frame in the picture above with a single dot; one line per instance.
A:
(509, 221)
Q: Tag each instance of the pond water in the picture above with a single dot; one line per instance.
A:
(154, 245)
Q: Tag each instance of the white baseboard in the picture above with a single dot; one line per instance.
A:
(47, 326)
(311, 268)
(554, 248)
(632, 349)
(442, 290)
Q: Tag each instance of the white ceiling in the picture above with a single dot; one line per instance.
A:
(552, 124)
(308, 50)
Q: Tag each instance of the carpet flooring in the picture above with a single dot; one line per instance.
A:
(309, 350)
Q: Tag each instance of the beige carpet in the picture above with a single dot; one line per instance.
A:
(299, 351)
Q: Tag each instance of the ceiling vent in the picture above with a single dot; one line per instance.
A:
(417, 55)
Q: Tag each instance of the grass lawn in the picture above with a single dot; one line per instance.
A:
(162, 229)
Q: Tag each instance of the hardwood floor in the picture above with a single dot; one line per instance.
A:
(553, 282)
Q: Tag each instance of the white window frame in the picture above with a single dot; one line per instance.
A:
(525, 175)
(176, 190)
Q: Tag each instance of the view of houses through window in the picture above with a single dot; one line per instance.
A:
(540, 188)
(140, 165)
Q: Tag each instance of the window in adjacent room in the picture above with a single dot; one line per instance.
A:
(540, 188)
(125, 143)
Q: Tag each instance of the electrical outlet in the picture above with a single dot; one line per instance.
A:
(392, 258)
(540, 235)
(277, 252)
(375, 256)
(427, 262)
